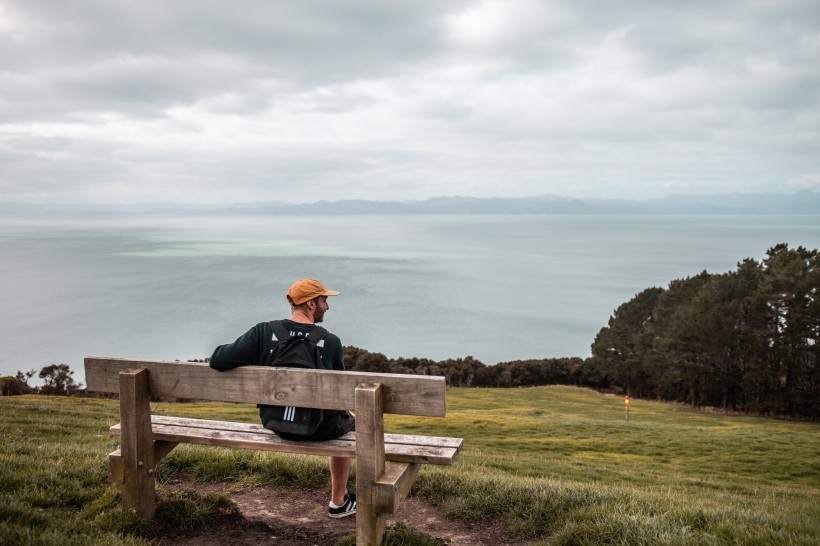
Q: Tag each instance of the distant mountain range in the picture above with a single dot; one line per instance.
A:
(799, 203)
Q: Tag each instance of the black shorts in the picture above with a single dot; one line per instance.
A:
(335, 424)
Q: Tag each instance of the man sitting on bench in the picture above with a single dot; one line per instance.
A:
(258, 346)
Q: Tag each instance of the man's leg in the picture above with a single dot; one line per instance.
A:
(339, 472)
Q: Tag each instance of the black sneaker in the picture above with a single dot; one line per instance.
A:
(346, 509)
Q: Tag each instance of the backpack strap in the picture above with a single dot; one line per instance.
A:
(317, 334)
(279, 330)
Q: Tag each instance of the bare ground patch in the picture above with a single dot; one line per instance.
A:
(290, 517)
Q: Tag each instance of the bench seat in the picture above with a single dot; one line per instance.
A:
(397, 447)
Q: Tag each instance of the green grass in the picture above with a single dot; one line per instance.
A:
(559, 465)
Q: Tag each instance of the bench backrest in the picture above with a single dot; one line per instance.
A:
(405, 394)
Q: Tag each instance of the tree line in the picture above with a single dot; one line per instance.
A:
(745, 340)
(58, 379)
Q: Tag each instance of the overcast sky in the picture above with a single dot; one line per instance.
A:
(217, 101)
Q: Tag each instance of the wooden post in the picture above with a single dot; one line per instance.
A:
(369, 463)
(115, 474)
(136, 443)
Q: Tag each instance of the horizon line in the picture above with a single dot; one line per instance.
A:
(417, 200)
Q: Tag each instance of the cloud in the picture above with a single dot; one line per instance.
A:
(810, 181)
(257, 100)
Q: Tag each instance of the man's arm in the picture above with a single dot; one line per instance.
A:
(247, 350)
(334, 351)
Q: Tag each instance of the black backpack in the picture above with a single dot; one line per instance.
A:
(294, 352)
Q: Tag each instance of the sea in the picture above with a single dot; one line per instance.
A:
(496, 288)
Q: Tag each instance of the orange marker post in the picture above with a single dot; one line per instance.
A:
(626, 403)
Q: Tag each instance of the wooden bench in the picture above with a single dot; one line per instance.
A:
(386, 464)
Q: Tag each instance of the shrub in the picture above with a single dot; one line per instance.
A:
(11, 386)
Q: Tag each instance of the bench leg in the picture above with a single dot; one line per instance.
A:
(136, 443)
(369, 463)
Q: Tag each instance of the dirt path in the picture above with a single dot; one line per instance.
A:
(291, 517)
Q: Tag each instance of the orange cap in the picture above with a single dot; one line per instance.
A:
(306, 289)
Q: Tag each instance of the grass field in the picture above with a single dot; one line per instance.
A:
(560, 465)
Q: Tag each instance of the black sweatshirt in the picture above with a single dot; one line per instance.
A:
(253, 347)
